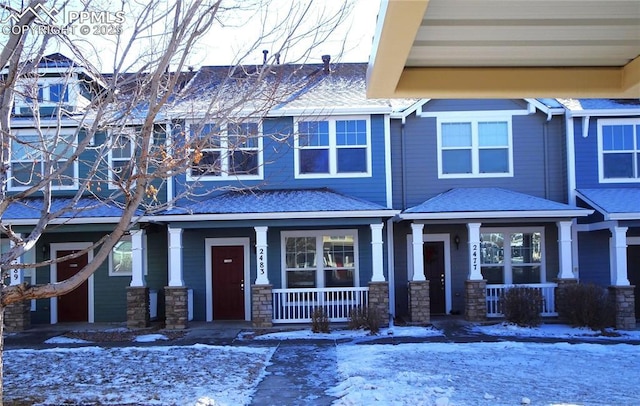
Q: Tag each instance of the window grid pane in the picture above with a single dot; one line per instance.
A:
(493, 134)
(313, 133)
(494, 160)
(351, 132)
(456, 135)
(456, 161)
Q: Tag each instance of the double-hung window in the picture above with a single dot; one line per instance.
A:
(477, 147)
(318, 259)
(221, 153)
(121, 156)
(121, 258)
(42, 154)
(333, 147)
(512, 256)
(619, 146)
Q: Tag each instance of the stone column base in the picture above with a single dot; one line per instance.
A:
(419, 304)
(379, 299)
(560, 292)
(176, 307)
(624, 305)
(262, 306)
(138, 307)
(17, 316)
(475, 300)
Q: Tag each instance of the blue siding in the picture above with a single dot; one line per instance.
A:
(593, 249)
(279, 166)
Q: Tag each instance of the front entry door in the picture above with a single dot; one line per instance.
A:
(74, 306)
(633, 272)
(434, 271)
(228, 282)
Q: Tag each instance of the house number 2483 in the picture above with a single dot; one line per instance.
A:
(261, 260)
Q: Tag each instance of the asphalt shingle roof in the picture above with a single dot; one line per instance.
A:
(613, 200)
(30, 209)
(486, 199)
(277, 201)
(601, 104)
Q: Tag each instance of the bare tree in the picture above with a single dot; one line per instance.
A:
(129, 113)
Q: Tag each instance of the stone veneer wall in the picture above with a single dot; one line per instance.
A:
(624, 305)
(262, 306)
(138, 307)
(176, 307)
(17, 316)
(475, 300)
(419, 305)
(379, 299)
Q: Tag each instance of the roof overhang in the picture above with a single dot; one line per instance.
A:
(496, 214)
(605, 214)
(274, 216)
(506, 49)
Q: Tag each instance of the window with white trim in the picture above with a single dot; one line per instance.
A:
(231, 151)
(319, 259)
(512, 256)
(32, 152)
(619, 150)
(121, 156)
(121, 258)
(478, 147)
(333, 147)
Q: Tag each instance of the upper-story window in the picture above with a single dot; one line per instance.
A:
(619, 150)
(34, 154)
(47, 92)
(333, 147)
(475, 147)
(120, 156)
(230, 152)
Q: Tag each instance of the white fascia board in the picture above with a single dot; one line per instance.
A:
(323, 111)
(622, 216)
(274, 216)
(594, 205)
(554, 111)
(63, 122)
(413, 108)
(496, 214)
(603, 113)
(61, 221)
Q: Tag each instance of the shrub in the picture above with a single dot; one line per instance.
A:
(522, 306)
(319, 321)
(586, 305)
(367, 318)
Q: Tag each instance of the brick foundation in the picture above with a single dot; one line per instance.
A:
(262, 306)
(17, 316)
(379, 299)
(624, 305)
(176, 307)
(419, 305)
(559, 292)
(475, 300)
(138, 307)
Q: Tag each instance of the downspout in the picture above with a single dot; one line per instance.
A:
(403, 163)
(571, 162)
(545, 147)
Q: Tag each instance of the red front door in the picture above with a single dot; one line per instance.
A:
(74, 306)
(228, 282)
(434, 271)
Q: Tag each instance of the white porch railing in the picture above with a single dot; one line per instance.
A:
(297, 305)
(495, 292)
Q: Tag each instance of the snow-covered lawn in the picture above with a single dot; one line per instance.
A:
(430, 373)
(181, 375)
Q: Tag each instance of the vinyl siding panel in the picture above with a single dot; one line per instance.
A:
(593, 249)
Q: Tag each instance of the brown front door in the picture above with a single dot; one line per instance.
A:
(434, 271)
(228, 282)
(633, 272)
(74, 306)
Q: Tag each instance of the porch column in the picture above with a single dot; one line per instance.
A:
(175, 257)
(137, 258)
(137, 292)
(261, 252)
(475, 285)
(376, 253)
(261, 291)
(418, 256)
(17, 316)
(475, 272)
(565, 250)
(618, 254)
(176, 299)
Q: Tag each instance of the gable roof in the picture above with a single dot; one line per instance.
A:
(287, 203)
(617, 107)
(489, 203)
(613, 203)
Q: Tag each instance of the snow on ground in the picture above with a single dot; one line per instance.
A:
(149, 338)
(488, 373)
(65, 340)
(553, 330)
(168, 375)
(358, 335)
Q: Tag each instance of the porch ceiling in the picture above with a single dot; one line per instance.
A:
(506, 49)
